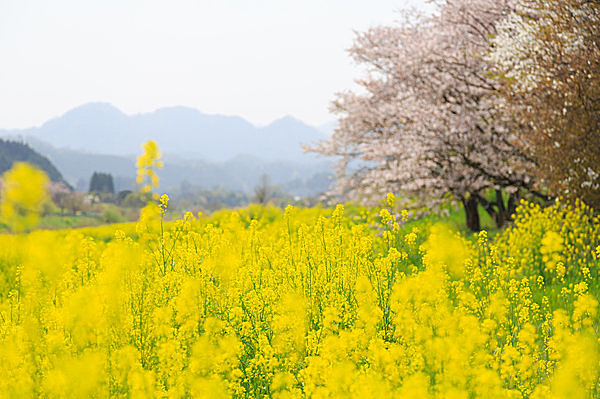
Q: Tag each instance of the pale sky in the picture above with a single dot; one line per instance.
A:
(260, 59)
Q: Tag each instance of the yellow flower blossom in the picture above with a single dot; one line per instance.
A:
(302, 303)
(24, 192)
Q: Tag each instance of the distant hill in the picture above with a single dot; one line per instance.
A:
(238, 173)
(103, 129)
(328, 128)
(199, 149)
(13, 151)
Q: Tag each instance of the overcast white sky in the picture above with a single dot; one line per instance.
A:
(258, 59)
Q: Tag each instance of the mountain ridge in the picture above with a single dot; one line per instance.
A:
(12, 152)
(240, 173)
(102, 128)
(200, 149)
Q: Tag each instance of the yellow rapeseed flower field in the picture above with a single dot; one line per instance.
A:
(303, 303)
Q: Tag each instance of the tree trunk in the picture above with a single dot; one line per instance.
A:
(512, 204)
(501, 214)
(489, 207)
(472, 213)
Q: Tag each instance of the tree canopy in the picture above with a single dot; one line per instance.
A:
(548, 54)
(432, 119)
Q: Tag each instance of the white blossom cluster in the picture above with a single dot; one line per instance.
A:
(428, 120)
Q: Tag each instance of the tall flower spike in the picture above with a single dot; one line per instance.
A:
(147, 164)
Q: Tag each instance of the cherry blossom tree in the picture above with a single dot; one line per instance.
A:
(548, 54)
(428, 121)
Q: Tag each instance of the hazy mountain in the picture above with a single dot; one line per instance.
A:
(238, 173)
(13, 151)
(199, 149)
(77, 167)
(327, 128)
(103, 129)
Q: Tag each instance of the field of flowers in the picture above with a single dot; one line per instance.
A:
(303, 303)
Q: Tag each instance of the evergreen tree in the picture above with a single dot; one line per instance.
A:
(102, 183)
